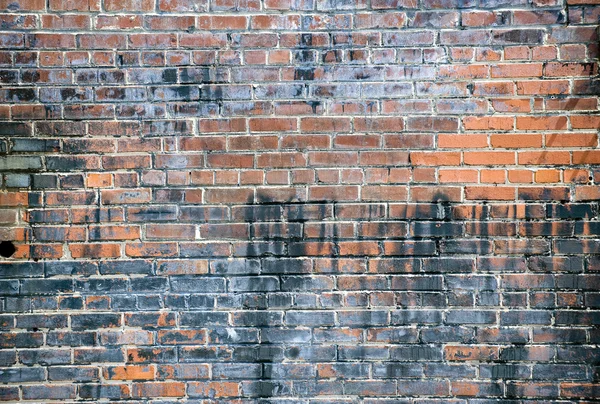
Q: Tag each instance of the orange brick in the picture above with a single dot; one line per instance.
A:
(158, 389)
(520, 176)
(13, 199)
(131, 372)
(490, 193)
(517, 70)
(99, 180)
(458, 176)
(435, 158)
(462, 141)
(324, 124)
(586, 157)
(493, 176)
(221, 126)
(543, 87)
(572, 104)
(516, 141)
(556, 69)
(542, 122)
(279, 57)
(464, 72)
(544, 157)
(272, 124)
(424, 174)
(217, 22)
(514, 105)
(571, 140)
(488, 123)
(585, 121)
(576, 176)
(547, 176)
(489, 158)
(587, 193)
(360, 248)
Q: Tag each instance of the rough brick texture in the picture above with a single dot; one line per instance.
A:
(300, 201)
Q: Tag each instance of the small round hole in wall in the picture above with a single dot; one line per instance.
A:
(7, 249)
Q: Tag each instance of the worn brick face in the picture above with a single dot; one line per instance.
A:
(299, 201)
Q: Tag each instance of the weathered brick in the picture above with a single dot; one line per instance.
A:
(241, 189)
(95, 321)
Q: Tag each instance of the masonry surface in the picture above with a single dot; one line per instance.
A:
(299, 201)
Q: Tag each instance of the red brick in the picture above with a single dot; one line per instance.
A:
(541, 123)
(490, 193)
(66, 22)
(544, 157)
(114, 232)
(489, 158)
(30, 5)
(360, 248)
(516, 141)
(337, 193)
(542, 87)
(511, 105)
(97, 250)
(222, 125)
(334, 159)
(124, 196)
(576, 176)
(435, 158)
(171, 231)
(272, 125)
(471, 353)
(520, 176)
(458, 141)
(253, 142)
(547, 176)
(488, 123)
(380, 124)
(150, 249)
(458, 175)
(437, 194)
(225, 195)
(377, 158)
(517, 70)
(384, 193)
(585, 122)
(158, 389)
(323, 124)
(464, 72)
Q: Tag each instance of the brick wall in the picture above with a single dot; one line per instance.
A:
(299, 201)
